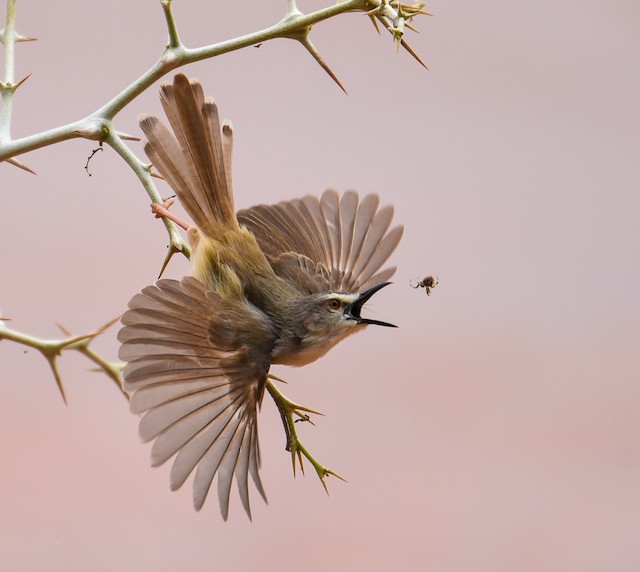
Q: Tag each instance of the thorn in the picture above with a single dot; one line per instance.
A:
(119, 366)
(380, 9)
(17, 85)
(127, 137)
(149, 169)
(106, 326)
(93, 334)
(79, 340)
(316, 56)
(374, 22)
(17, 37)
(56, 375)
(337, 476)
(410, 50)
(172, 250)
(413, 10)
(20, 165)
(301, 464)
(63, 329)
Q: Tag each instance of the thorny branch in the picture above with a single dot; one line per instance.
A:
(295, 25)
(52, 349)
(98, 126)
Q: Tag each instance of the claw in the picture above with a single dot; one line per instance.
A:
(161, 210)
(276, 378)
(287, 410)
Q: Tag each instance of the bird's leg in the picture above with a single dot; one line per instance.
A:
(161, 210)
(287, 410)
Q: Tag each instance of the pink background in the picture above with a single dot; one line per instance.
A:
(497, 429)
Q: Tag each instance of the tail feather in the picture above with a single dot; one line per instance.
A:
(196, 158)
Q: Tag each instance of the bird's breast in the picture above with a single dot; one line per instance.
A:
(301, 352)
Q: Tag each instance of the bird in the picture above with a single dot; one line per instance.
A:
(271, 284)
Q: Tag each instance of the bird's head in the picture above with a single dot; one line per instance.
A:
(337, 314)
(319, 321)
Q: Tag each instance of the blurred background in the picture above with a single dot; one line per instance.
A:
(496, 429)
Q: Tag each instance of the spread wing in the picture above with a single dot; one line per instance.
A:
(343, 242)
(197, 368)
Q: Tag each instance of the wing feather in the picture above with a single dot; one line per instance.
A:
(379, 254)
(348, 212)
(345, 239)
(330, 208)
(197, 366)
(209, 465)
(192, 453)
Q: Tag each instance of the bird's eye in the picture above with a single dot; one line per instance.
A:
(333, 304)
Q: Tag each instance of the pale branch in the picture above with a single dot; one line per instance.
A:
(9, 41)
(295, 25)
(9, 37)
(52, 349)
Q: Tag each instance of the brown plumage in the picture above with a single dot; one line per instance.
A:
(273, 284)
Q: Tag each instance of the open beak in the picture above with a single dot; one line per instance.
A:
(356, 307)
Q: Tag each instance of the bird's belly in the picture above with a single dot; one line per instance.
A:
(304, 354)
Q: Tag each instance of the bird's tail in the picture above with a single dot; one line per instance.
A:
(196, 158)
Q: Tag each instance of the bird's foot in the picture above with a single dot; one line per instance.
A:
(288, 409)
(161, 210)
